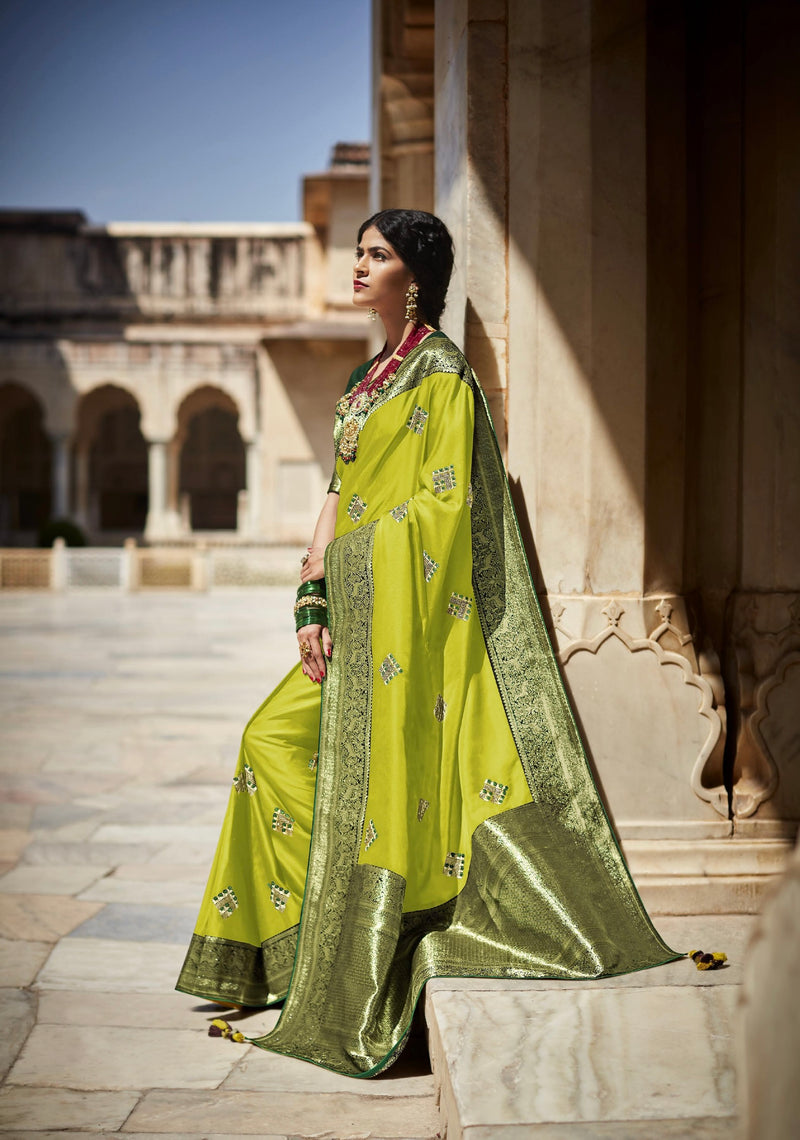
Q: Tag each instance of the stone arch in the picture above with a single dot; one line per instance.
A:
(110, 461)
(25, 463)
(209, 454)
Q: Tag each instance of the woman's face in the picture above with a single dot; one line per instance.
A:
(380, 278)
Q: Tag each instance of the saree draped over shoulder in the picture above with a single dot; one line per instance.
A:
(433, 814)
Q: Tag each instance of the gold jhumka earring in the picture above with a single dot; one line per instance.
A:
(411, 301)
(373, 314)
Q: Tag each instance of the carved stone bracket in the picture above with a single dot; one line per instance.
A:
(706, 779)
(766, 631)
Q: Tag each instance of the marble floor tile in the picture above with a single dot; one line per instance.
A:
(164, 872)
(12, 842)
(166, 834)
(357, 1114)
(97, 964)
(261, 1071)
(560, 1055)
(63, 1108)
(88, 854)
(116, 1058)
(156, 891)
(698, 1128)
(133, 922)
(20, 962)
(165, 1010)
(15, 815)
(43, 918)
(17, 1016)
(50, 879)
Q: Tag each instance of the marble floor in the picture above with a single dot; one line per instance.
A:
(120, 718)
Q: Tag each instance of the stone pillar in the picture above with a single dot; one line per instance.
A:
(252, 485)
(472, 183)
(163, 518)
(156, 525)
(59, 507)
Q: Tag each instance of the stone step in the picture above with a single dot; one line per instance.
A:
(647, 1055)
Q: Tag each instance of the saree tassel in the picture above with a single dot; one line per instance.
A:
(705, 961)
(221, 1028)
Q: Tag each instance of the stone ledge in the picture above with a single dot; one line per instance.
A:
(647, 1054)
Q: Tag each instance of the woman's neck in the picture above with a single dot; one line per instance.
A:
(397, 329)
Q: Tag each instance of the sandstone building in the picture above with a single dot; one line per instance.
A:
(169, 380)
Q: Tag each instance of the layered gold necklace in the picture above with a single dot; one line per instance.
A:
(353, 408)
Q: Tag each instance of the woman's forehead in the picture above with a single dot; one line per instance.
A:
(372, 236)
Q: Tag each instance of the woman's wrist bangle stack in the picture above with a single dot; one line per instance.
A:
(311, 607)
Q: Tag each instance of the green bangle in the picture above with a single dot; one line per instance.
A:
(310, 615)
(317, 587)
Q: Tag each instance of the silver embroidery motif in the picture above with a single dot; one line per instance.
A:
(282, 821)
(422, 807)
(459, 606)
(313, 761)
(370, 835)
(399, 513)
(440, 708)
(226, 902)
(356, 508)
(454, 865)
(389, 668)
(417, 421)
(493, 792)
(278, 895)
(431, 566)
(470, 495)
(444, 479)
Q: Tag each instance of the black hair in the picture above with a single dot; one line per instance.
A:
(423, 242)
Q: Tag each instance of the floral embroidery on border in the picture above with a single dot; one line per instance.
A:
(493, 792)
(356, 508)
(422, 807)
(370, 835)
(389, 668)
(417, 421)
(459, 606)
(454, 865)
(278, 895)
(399, 512)
(226, 902)
(470, 495)
(444, 479)
(282, 821)
(431, 566)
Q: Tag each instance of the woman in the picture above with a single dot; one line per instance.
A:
(456, 827)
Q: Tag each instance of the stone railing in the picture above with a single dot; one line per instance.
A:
(131, 568)
(157, 270)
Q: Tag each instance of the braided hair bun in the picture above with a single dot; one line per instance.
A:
(423, 242)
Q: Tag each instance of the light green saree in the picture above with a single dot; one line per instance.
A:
(436, 815)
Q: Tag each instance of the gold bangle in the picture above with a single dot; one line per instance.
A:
(314, 600)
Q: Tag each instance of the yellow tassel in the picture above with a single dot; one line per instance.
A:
(221, 1028)
(704, 961)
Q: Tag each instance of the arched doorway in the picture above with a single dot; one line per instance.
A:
(111, 462)
(25, 463)
(212, 459)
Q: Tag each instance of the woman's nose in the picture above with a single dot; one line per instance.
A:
(360, 263)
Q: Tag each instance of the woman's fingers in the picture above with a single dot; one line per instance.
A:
(327, 644)
(312, 650)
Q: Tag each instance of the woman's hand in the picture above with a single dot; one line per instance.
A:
(318, 640)
(314, 567)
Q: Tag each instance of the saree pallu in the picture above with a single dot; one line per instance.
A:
(433, 815)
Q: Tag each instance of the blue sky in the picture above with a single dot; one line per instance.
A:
(177, 110)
